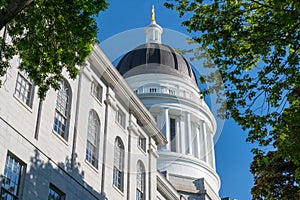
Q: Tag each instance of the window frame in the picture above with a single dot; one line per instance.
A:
(24, 93)
(62, 117)
(142, 143)
(57, 191)
(97, 90)
(118, 168)
(120, 117)
(21, 175)
(92, 156)
(140, 181)
(173, 132)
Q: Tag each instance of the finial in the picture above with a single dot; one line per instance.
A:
(153, 14)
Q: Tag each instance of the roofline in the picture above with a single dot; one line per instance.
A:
(166, 187)
(190, 69)
(122, 89)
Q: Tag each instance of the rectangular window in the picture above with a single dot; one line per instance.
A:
(13, 173)
(120, 117)
(173, 134)
(62, 110)
(142, 143)
(118, 178)
(60, 124)
(55, 194)
(91, 154)
(97, 90)
(24, 89)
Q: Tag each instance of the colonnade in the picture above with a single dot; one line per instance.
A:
(186, 135)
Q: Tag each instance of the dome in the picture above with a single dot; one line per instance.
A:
(155, 58)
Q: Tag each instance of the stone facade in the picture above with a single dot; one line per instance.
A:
(28, 138)
(148, 136)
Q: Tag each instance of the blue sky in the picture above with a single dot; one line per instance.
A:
(233, 155)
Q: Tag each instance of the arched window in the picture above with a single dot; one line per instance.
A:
(92, 146)
(118, 174)
(140, 181)
(62, 111)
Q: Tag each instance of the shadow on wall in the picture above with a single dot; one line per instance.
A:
(43, 177)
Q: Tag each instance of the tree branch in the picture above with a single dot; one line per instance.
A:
(12, 10)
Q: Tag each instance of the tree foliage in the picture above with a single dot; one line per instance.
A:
(50, 36)
(255, 45)
(274, 178)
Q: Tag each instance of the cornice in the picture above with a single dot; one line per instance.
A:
(186, 159)
(166, 188)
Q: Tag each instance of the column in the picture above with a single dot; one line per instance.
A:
(166, 127)
(211, 154)
(182, 135)
(197, 140)
(203, 145)
(208, 153)
(178, 139)
(193, 144)
(189, 149)
(160, 126)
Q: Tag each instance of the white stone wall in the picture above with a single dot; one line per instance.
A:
(48, 157)
(192, 154)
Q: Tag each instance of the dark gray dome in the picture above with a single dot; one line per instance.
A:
(155, 58)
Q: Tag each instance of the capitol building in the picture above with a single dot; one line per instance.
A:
(139, 130)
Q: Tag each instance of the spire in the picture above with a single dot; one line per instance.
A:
(153, 15)
(153, 31)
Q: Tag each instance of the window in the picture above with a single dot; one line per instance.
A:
(55, 194)
(173, 134)
(11, 180)
(142, 143)
(120, 117)
(118, 175)
(152, 90)
(92, 147)
(140, 181)
(62, 111)
(97, 90)
(24, 89)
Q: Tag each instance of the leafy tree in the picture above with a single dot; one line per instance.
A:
(255, 45)
(49, 36)
(274, 178)
(276, 172)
